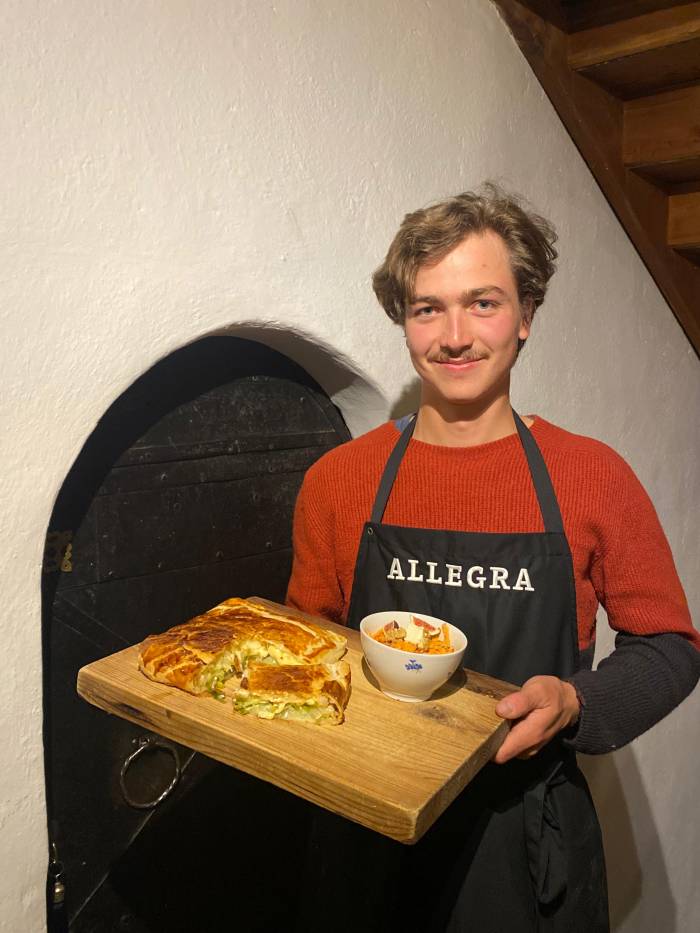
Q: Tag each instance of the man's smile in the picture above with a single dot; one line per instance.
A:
(458, 364)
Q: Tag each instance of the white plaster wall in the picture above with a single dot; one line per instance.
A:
(174, 168)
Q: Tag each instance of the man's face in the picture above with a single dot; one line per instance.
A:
(463, 324)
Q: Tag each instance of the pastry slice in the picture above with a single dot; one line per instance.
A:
(315, 693)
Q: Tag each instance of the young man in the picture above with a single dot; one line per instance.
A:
(515, 530)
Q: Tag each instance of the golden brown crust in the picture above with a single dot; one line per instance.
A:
(179, 656)
(293, 679)
(339, 689)
(309, 642)
(328, 684)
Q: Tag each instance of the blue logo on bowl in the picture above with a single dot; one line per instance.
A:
(413, 665)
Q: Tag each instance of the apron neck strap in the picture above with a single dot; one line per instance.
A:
(549, 507)
(386, 483)
(541, 480)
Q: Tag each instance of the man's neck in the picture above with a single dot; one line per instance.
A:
(460, 426)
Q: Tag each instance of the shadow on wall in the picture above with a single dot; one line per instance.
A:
(361, 403)
(619, 795)
(408, 401)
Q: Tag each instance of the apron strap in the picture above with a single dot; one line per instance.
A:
(390, 470)
(549, 507)
(541, 480)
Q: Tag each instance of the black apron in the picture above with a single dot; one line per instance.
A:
(520, 849)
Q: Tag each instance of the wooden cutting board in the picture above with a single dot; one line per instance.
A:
(392, 766)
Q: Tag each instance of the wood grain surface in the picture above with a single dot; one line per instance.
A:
(392, 766)
(662, 128)
(684, 220)
(634, 36)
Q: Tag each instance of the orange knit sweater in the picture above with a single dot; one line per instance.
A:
(620, 554)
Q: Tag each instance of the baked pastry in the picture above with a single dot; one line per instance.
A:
(196, 656)
(264, 634)
(315, 693)
(199, 655)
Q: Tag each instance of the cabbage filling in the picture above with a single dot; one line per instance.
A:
(215, 674)
(254, 650)
(268, 709)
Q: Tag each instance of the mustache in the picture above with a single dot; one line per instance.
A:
(466, 357)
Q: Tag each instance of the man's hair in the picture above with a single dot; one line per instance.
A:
(427, 235)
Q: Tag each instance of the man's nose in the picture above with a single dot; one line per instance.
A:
(457, 331)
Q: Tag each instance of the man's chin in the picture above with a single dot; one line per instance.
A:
(451, 395)
(457, 399)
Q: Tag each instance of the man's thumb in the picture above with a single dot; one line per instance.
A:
(508, 707)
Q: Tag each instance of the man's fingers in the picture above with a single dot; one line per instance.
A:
(523, 737)
(527, 735)
(515, 747)
(542, 707)
(521, 742)
(542, 692)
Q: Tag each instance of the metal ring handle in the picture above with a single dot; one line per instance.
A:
(145, 744)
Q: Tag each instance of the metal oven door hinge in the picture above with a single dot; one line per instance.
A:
(58, 552)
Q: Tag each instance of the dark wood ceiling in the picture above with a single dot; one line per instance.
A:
(624, 77)
(585, 14)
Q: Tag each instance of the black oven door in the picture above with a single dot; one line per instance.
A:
(182, 496)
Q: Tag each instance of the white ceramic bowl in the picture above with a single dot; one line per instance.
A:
(402, 675)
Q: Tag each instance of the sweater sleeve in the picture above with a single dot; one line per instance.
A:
(655, 664)
(637, 685)
(313, 585)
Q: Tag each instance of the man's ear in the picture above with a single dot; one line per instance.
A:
(527, 312)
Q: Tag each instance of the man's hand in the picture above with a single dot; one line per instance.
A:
(542, 707)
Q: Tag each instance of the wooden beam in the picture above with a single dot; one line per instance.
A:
(641, 56)
(633, 36)
(586, 14)
(648, 72)
(594, 120)
(684, 221)
(552, 11)
(662, 134)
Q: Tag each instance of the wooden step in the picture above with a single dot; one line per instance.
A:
(641, 56)
(587, 14)
(684, 224)
(661, 136)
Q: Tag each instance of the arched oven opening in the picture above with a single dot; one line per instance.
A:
(182, 496)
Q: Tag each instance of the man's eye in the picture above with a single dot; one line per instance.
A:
(426, 311)
(484, 304)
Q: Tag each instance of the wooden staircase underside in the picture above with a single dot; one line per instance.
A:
(624, 77)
